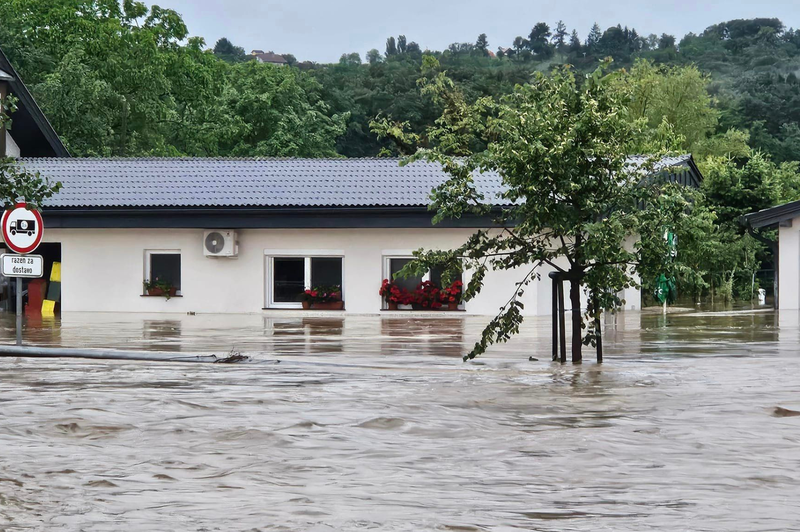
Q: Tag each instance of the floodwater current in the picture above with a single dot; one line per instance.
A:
(371, 423)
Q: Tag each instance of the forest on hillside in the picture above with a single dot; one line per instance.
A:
(123, 79)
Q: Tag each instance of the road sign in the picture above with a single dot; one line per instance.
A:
(22, 228)
(14, 265)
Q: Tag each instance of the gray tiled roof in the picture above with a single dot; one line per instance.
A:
(209, 182)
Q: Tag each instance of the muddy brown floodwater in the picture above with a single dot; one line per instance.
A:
(376, 424)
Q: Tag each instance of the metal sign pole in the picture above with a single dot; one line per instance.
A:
(19, 310)
(22, 231)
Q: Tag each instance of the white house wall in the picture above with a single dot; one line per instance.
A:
(789, 266)
(103, 269)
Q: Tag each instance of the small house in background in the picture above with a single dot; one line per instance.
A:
(269, 57)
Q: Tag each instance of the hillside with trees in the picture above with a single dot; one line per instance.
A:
(125, 79)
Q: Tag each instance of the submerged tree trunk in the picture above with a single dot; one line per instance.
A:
(577, 330)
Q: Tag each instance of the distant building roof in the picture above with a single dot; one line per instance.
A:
(781, 215)
(270, 57)
(220, 182)
(254, 52)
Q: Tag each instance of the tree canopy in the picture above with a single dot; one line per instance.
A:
(124, 79)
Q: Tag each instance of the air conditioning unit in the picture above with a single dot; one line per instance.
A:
(220, 243)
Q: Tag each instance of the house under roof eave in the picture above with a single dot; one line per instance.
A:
(786, 219)
(780, 215)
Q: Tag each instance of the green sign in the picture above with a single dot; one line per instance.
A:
(665, 290)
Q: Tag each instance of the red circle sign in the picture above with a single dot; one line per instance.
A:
(22, 228)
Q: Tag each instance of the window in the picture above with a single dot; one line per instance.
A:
(392, 265)
(436, 276)
(409, 283)
(289, 279)
(163, 266)
(290, 275)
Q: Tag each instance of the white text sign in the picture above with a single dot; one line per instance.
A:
(22, 265)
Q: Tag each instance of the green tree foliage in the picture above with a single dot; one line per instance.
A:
(593, 39)
(142, 86)
(575, 46)
(16, 182)
(352, 59)
(391, 47)
(225, 50)
(559, 38)
(482, 44)
(124, 79)
(374, 57)
(735, 186)
(677, 96)
(666, 41)
(539, 40)
(276, 111)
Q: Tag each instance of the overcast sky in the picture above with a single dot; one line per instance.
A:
(321, 30)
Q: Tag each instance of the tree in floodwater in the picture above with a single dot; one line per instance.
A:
(571, 201)
(15, 182)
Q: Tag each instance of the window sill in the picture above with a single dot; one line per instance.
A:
(162, 297)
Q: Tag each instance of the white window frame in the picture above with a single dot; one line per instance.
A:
(147, 271)
(307, 254)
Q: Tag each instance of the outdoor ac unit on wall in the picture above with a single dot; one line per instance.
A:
(220, 243)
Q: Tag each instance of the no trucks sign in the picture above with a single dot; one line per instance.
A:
(22, 228)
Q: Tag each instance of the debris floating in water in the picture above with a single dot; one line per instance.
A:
(232, 358)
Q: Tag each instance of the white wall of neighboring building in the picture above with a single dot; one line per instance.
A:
(12, 150)
(789, 266)
(103, 269)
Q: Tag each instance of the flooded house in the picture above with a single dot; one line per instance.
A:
(246, 235)
(214, 235)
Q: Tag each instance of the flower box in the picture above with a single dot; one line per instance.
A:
(160, 292)
(427, 296)
(327, 305)
(323, 298)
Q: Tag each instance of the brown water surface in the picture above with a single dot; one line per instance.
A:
(376, 424)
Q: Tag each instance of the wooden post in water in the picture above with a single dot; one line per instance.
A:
(598, 329)
(561, 325)
(554, 277)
